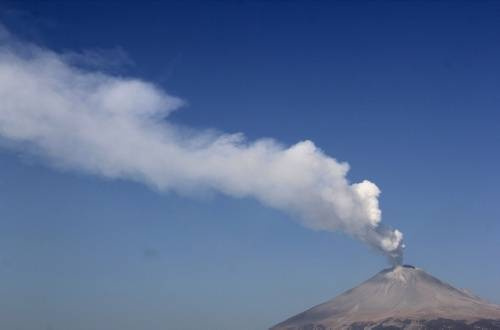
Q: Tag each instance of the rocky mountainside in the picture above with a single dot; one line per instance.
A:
(403, 297)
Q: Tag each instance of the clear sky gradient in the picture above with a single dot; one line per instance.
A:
(408, 93)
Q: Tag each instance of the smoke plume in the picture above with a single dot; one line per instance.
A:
(118, 127)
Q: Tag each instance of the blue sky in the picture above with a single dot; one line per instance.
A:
(406, 93)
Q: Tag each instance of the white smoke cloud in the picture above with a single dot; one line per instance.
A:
(118, 127)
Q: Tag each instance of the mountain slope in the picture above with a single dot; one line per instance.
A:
(400, 297)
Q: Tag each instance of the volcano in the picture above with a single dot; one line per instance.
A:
(403, 297)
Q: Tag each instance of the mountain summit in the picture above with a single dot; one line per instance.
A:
(403, 297)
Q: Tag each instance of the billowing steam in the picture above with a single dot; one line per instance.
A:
(118, 128)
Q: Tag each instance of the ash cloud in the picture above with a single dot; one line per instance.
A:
(118, 127)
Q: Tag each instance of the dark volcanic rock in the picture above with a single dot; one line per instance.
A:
(438, 324)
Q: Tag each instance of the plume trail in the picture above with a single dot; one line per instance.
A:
(118, 127)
